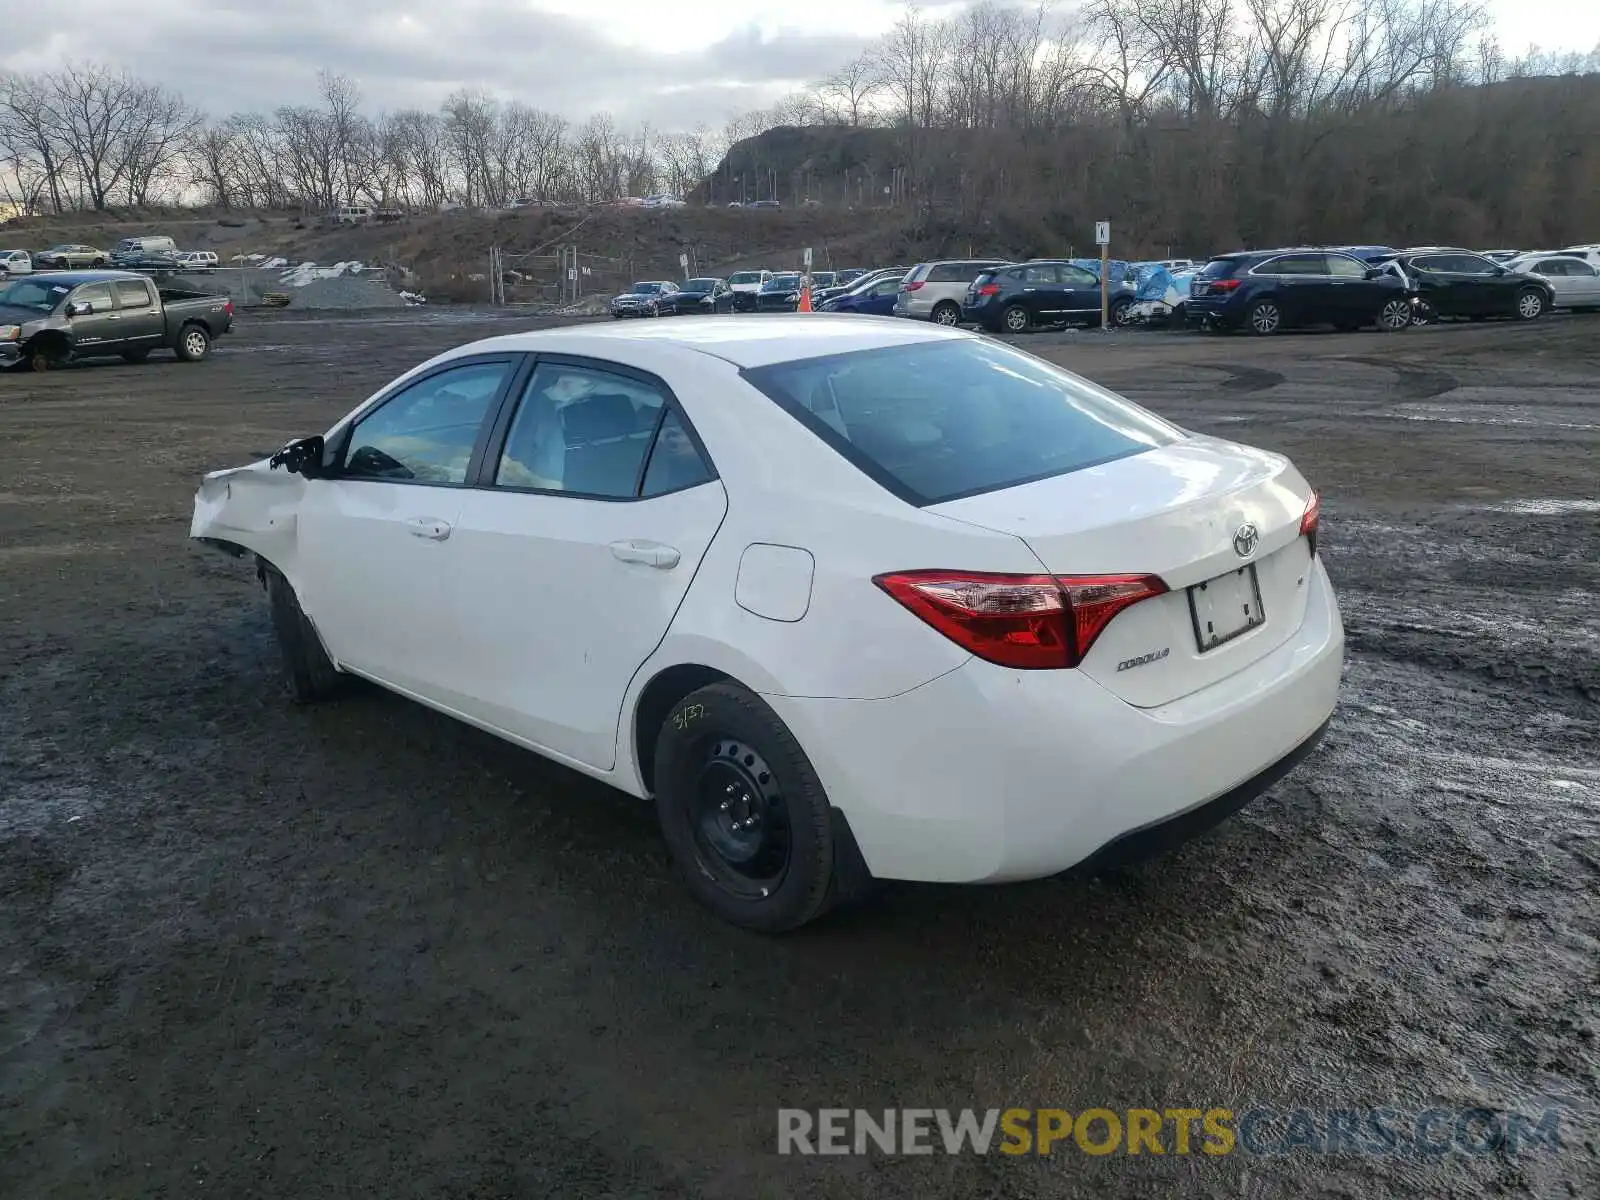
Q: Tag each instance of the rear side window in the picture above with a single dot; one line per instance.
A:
(963, 272)
(937, 421)
(581, 431)
(132, 293)
(1294, 264)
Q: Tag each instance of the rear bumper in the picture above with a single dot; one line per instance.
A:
(987, 775)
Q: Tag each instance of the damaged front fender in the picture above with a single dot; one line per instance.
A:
(250, 509)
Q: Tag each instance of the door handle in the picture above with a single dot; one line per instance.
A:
(431, 528)
(650, 554)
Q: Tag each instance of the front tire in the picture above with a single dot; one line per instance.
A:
(194, 343)
(742, 811)
(1530, 305)
(1118, 312)
(307, 669)
(1396, 315)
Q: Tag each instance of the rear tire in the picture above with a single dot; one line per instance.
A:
(1265, 318)
(1016, 319)
(946, 313)
(743, 813)
(307, 669)
(194, 343)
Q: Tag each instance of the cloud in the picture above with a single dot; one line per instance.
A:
(638, 61)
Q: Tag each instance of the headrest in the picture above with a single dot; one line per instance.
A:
(595, 418)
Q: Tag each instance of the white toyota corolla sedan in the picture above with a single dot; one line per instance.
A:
(850, 598)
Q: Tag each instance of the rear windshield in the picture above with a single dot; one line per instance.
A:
(1218, 268)
(745, 277)
(936, 421)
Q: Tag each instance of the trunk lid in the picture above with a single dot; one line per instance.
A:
(1174, 512)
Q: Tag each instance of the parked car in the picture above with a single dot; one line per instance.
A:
(821, 281)
(352, 214)
(650, 298)
(704, 296)
(820, 595)
(1461, 283)
(896, 273)
(135, 247)
(1268, 291)
(66, 257)
(15, 262)
(1502, 256)
(1028, 295)
(195, 260)
(50, 319)
(935, 291)
(763, 204)
(1590, 253)
(1573, 282)
(871, 296)
(850, 274)
(781, 293)
(746, 286)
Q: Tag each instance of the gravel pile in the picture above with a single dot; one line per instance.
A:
(346, 291)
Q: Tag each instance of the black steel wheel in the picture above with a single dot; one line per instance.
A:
(744, 816)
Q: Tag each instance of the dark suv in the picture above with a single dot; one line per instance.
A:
(1459, 283)
(1042, 292)
(1266, 291)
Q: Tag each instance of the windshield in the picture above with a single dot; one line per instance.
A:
(745, 277)
(645, 288)
(937, 421)
(700, 285)
(37, 294)
(823, 278)
(783, 281)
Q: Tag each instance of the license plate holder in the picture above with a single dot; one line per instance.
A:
(1226, 607)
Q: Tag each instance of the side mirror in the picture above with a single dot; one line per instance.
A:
(79, 308)
(303, 456)
(1374, 273)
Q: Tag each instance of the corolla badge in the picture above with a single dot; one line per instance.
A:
(1245, 539)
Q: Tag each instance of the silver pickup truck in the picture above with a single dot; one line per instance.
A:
(50, 319)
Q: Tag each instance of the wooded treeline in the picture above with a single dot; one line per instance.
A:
(1197, 121)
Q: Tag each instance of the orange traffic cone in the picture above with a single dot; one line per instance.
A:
(805, 297)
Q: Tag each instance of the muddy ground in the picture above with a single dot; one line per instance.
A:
(248, 950)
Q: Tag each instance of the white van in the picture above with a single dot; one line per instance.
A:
(353, 214)
(15, 262)
(146, 245)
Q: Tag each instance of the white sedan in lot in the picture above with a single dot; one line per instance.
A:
(850, 598)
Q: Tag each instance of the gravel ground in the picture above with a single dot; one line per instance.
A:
(249, 950)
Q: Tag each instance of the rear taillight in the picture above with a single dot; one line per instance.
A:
(1223, 285)
(989, 289)
(1031, 622)
(1309, 522)
(912, 286)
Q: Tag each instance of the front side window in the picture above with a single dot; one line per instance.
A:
(936, 421)
(1078, 277)
(1344, 267)
(426, 432)
(581, 430)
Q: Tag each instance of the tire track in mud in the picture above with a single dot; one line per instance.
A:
(1413, 382)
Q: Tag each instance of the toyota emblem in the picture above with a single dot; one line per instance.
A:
(1245, 539)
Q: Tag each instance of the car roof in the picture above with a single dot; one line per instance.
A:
(742, 341)
(74, 278)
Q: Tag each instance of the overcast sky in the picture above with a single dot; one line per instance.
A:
(673, 62)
